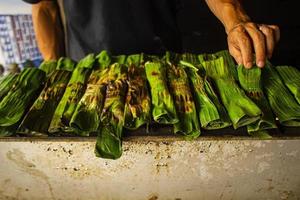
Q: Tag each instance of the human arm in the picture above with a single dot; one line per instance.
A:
(244, 37)
(48, 29)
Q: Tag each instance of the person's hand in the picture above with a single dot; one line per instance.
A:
(248, 39)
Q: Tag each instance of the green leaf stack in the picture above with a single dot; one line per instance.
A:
(109, 140)
(211, 112)
(45, 105)
(188, 126)
(282, 102)
(138, 102)
(15, 104)
(86, 117)
(291, 79)
(74, 91)
(250, 81)
(163, 107)
(241, 110)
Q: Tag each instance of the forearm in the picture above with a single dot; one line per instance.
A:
(48, 29)
(229, 12)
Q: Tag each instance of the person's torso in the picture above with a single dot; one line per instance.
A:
(120, 26)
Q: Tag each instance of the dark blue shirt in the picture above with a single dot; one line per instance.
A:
(120, 26)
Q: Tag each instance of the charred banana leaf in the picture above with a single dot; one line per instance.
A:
(291, 78)
(45, 105)
(138, 102)
(211, 112)
(15, 104)
(250, 81)
(241, 110)
(86, 117)
(282, 102)
(109, 141)
(163, 108)
(188, 125)
(74, 91)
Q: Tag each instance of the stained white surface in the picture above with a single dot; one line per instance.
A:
(151, 168)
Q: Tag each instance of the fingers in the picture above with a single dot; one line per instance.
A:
(258, 42)
(248, 38)
(276, 31)
(270, 39)
(246, 51)
(240, 46)
(236, 54)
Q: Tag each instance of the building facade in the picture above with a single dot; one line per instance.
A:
(17, 40)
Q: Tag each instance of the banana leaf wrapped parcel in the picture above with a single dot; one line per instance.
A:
(282, 102)
(225, 70)
(231, 70)
(211, 112)
(74, 91)
(45, 105)
(241, 110)
(163, 107)
(86, 117)
(138, 102)
(188, 126)
(6, 84)
(291, 79)
(15, 104)
(109, 140)
(250, 81)
(48, 66)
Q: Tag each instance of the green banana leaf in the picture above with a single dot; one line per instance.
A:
(231, 66)
(163, 108)
(15, 104)
(282, 102)
(250, 81)
(109, 141)
(211, 112)
(6, 83)
(66, 64)
(108, 144)
(45, 105)
(188, 126)
(74, 91)
(241, 110)
(291, 78)
(86, 117)
(138, 102)
(227, 69)
(48, 66)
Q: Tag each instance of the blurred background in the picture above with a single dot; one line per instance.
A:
(18, 45)
(201, 31)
